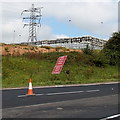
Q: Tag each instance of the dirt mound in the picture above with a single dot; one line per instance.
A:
(16, 50)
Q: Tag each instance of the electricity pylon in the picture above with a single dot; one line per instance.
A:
(33, 21)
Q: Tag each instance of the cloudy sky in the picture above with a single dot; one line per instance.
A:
(97, 18)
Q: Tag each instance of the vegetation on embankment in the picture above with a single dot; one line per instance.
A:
(87, 66)
(79, 68)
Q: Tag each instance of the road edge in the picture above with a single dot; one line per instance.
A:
(70, 85)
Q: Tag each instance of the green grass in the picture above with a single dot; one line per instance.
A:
(16, 71)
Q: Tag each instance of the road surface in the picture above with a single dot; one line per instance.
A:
(84, 101)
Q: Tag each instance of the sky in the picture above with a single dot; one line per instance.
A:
(97, 18)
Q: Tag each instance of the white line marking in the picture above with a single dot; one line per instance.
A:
(22, 95)
(29, 95)
(59, 108)
(60, 93)
(64, 93)
(39, 94)
(113, 116)
(92, 90)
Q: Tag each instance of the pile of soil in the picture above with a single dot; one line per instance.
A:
(17, 50)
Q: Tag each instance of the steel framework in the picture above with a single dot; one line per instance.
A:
(76, 42)
(33, 21)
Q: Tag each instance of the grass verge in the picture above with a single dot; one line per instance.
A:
(16, 71)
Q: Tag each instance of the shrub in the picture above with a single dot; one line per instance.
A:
(112, 49)
(6, 49)
(46, 47)
(60, 48)
(87, 50)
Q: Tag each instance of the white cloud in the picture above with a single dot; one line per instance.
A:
(87, 15)
(61, 36)
(45, 32)
(12, 30)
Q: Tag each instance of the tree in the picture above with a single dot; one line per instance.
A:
(112, 49)
(87, 50)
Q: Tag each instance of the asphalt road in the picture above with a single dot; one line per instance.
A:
(84, 101)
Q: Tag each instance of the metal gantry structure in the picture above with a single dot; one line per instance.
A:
(75, 42)
(32, 21)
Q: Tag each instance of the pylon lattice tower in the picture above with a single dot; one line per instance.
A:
(33, 21)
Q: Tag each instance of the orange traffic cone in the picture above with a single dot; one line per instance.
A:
(30, 90)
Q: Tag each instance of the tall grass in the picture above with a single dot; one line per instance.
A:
(79, 68)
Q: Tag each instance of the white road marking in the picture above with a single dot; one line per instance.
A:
(39, 94)
(59, 108)
(22, 95)
(113, 116)
(61, 93)
(29, 95)
(92, 90)
(64, 93)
